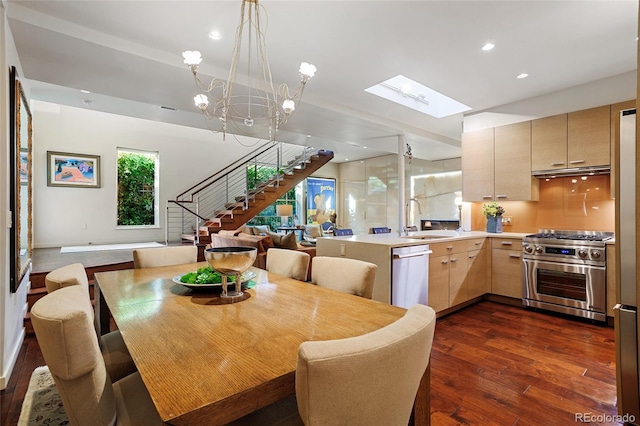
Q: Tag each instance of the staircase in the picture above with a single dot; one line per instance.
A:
(231, 197)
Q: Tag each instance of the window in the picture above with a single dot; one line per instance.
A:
(138, 188)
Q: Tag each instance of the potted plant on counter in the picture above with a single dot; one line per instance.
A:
(493, 212)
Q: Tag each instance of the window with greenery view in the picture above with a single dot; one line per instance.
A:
(137, 188)
(268, 216)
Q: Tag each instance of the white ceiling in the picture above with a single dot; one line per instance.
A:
(578, 54)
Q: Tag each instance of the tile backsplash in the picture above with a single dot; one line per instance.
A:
(571, 203)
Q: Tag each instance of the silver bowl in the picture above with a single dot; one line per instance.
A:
(231, 261)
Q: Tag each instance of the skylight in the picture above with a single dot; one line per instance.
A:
(414, 95)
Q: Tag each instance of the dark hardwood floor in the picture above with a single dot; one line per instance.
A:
(491, 364)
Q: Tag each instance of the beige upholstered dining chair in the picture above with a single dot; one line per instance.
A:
(346, 275)
(366, 380)
(289, 263)
(164, 256)
(117, 359)
(62, 321)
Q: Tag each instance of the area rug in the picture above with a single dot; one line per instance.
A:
(42, 404)
(77, 249)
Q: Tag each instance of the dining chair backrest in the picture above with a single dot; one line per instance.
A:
(342, 232)
(65, 276)
(290, 263)
(164, 256)
(327, 228)
(365, 380)
(346, 275)
(62, 321)
(382, 230)
(114, 351)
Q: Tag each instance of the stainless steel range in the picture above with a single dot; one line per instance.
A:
(565, 271)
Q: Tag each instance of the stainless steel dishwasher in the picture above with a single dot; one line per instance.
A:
(410, 275)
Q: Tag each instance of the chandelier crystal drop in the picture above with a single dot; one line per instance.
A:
(253, 109)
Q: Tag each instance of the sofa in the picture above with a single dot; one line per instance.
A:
(262, 239)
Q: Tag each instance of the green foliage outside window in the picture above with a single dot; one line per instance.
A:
(268, 215)
(136, 183)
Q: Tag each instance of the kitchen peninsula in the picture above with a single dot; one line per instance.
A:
(461, 267)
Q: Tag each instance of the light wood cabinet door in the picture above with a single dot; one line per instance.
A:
(512, 147)
(506, 273)
(479, 275)
(549, 143)
(478, 166)
(589, 137)
(438, 294)
(457, 278)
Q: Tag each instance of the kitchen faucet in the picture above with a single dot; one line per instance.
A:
(406, 213)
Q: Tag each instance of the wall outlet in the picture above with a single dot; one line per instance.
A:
(507, 220)
(343, 251)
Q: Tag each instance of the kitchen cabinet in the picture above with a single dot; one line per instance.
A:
(458, 272)
(496, 164)
(479, 267)
(589, 137)
(506, 267)
(478, 165)
(549, 143)
(513, 180)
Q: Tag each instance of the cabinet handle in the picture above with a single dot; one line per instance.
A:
(444, 262)
(506, 243)
(478, 243)
(487, 196)
(501, 195)
(517, 256)
(454, 260)
(472, 256)
(450, 248)
(557, 163)
(576, 161)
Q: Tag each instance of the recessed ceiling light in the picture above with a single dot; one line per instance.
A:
(214, 35)
(364, 147)
(85, 91)
(346, 159)
(523, 75)
(488, 46)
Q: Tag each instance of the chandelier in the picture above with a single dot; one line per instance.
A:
(253, 109)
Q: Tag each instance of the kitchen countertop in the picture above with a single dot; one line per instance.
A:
(423, 237)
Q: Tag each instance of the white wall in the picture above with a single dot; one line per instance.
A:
(11, 304)
(80, 216)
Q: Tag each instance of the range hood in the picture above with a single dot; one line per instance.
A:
(575, 171)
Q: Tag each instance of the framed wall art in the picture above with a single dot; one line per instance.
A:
(73, 170)
(21, 182)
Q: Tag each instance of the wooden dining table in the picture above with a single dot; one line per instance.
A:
(208, 362)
